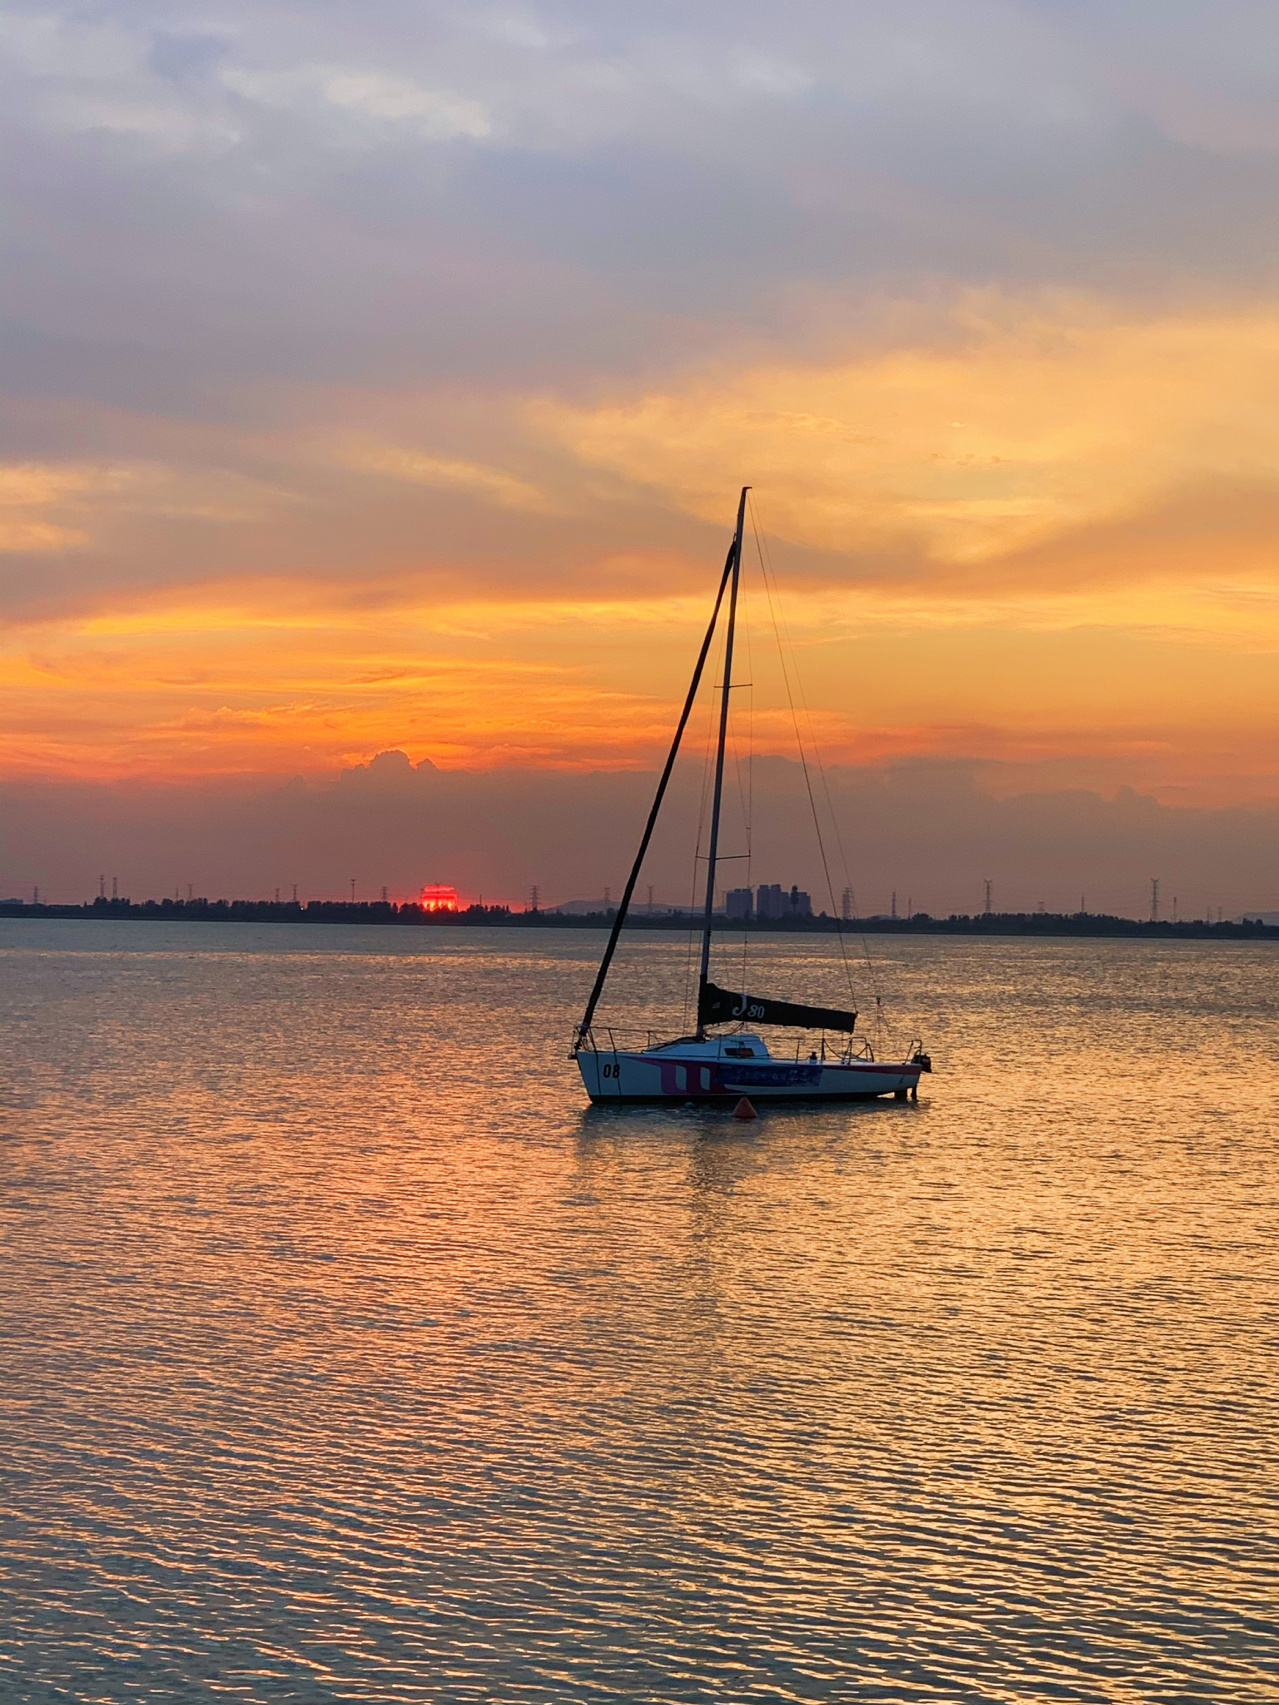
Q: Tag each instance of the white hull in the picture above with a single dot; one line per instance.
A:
(620, 1075)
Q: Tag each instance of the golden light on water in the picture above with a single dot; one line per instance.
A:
(355, 1311)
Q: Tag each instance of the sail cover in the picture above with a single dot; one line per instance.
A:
(718, 1006)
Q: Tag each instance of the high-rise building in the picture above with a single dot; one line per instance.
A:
(801, 904)
(770, 902)
(738, 902)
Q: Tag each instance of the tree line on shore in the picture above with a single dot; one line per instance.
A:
(411, 914)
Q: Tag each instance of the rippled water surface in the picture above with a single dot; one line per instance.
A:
(351, 1356)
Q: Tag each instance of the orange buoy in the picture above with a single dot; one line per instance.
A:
(744, 1110)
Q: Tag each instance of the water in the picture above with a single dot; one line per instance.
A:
(352, 1357)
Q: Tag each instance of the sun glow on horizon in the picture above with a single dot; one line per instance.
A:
(1170, 688)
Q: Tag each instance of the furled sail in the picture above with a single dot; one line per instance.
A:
(718, 1006)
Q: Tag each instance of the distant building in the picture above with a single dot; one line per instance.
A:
(738, 902)
(774, 901)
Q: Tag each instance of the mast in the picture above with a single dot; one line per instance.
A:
(734, 551)
(735, 557)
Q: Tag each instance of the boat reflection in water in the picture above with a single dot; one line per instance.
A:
(736, 1061)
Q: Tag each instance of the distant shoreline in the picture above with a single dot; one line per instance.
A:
(1081, 924)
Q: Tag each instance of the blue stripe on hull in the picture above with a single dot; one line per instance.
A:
(656, 1081)
(813, 1096)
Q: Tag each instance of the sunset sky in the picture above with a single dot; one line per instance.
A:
(381, 378)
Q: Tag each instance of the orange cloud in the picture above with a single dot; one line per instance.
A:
(1030, 426)
(35, 498)
(276, 680)
(416, 468)
(186, 688)
(1047, 542)
(59, 506)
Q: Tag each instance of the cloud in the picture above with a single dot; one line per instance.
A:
(76, 75)
(38, 500)
(436, 115)
(271, 678)
(490, 484)
(1036, 423)
(326, 318)
(270, 683)
(30, 490)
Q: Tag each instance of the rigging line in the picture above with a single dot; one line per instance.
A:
(821, 768)
(633, 878)
(743, 787)
(803, 758)
(692, 936)
(830, 804)
(749, 801)
(708, 916)
(744, 794)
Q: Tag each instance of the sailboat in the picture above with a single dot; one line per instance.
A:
(727, 1058)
